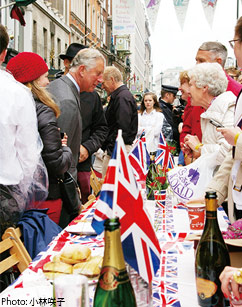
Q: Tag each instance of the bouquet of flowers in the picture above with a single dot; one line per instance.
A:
(156, 179)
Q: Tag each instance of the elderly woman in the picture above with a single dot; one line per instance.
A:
(208, 84)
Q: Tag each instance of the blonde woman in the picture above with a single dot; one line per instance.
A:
(30, 69)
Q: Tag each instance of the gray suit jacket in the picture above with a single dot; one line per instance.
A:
(67, 97)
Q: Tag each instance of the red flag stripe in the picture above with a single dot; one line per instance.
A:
(147, 260)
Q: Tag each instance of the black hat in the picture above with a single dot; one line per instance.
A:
(169, 88)
(72, 50)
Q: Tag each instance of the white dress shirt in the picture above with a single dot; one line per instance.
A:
(74, 81)
(152, 124)
(20, 144)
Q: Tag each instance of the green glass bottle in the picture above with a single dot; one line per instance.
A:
(211, 257)
(152, 174)
(114, 288)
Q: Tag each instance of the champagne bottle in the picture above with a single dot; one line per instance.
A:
(114, 287)
(152, 174)
(211, 258)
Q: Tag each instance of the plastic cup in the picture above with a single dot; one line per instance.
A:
(71, 290)
(233, 301)
(196, 213)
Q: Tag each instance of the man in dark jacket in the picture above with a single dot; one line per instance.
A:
(94, 133)
(121, 113)
(168, 95)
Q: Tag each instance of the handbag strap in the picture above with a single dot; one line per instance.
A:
(67, 176)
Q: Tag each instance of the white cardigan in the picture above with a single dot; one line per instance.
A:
(222, 111)
(152, 124)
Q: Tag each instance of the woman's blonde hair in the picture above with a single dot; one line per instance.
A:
(184, 77)
(42, 94)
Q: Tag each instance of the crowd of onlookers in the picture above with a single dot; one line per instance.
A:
(51, 128)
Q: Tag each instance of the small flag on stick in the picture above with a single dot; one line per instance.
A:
(164, 156)
(139, 158)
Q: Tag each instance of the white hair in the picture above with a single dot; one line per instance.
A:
(211, 75)
(87, 57)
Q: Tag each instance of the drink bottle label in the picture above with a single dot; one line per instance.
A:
(205, 288)
(110, 278)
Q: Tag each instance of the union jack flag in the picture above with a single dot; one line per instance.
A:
(165, 287)
(140, 159)
(163, 154)
(140, 245)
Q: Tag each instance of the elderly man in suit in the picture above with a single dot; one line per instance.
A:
(86, 72)
(94, 126)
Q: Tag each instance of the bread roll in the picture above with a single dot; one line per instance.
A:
(56, 258)
(59, 267)
(89, 268)
(75, 253)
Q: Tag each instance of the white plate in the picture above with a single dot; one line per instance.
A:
(82, 228)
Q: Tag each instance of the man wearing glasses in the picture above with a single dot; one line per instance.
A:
(232, 42)
(213, 52)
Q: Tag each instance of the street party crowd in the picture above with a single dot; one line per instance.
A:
(59, 130)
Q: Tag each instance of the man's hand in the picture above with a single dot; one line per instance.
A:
(83, 154)
(64, 140)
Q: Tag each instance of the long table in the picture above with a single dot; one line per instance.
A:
(173, 285)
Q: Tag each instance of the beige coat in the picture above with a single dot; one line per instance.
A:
(222, 111)
(222, 182)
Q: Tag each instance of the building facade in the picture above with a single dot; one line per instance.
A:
(52, 25)
(50, 30)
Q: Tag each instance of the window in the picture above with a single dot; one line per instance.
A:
(104, 4)
(104, 33)
(59, 52)
(52, 50)
(60, 6)
(35, 36)
(93, 20)
(45, 44)
(82, 15)
(98, 25)
(88, 15)
(109, 7)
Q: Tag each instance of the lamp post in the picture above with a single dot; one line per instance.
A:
(161, 77)
(7, 5)
(85, 42)
(237, 13)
